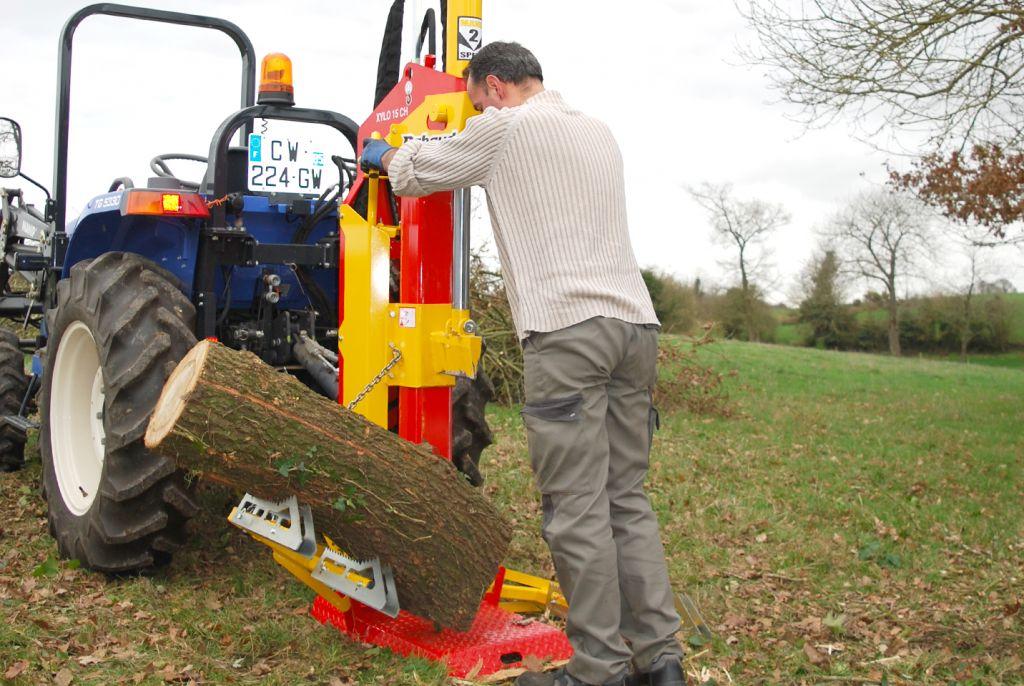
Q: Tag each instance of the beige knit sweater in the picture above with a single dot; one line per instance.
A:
(554, 184)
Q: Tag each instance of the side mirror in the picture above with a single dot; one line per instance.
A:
(10, 148)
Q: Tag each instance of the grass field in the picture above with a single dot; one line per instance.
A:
(788, 333)
(858, 519)
(1013, 359)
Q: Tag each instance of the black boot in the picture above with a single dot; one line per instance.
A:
(666, 670)
(637, 679)
(560, 677)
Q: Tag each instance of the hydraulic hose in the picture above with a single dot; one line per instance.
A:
(309, 355)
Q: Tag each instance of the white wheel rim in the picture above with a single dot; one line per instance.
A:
(76, 418)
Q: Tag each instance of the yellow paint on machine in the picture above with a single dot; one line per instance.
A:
(438, 116)
(362, 335)
(432, 339)
(464, 34)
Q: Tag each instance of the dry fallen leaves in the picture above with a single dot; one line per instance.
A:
(813, 655)
(733, 620)
(63, 677)
(532, 663)
(261, 668)
(471, 674)
(16, 669)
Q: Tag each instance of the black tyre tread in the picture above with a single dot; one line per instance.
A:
(142, 323)
(13, 384)
(470, 431)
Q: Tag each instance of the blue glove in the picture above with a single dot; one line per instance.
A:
(374, 150)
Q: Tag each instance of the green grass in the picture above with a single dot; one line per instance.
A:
(790, 334)
(1014, 360)
(858, 505)
(1010, 360)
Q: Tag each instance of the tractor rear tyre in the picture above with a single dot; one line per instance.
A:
(470, 432)
(120, 327)
(13, 385)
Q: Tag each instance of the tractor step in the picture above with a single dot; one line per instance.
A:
(21, 424)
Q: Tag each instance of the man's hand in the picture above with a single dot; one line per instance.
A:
(376, 155)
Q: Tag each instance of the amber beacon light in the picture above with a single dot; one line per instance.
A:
(276, 80)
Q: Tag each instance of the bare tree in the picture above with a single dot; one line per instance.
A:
(882, 237)
(953, 66)
(952, 69)
(971, 252)
(977, 250)
(746, 226)
(998, 286)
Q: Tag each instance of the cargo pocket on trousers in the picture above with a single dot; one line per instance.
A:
(552, 432)
(653, 424)
(557, 409)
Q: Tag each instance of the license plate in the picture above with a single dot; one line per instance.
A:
(286, 164)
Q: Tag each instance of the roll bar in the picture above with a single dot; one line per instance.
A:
(60, 154)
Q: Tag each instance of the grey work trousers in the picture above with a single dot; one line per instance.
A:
(589, 422)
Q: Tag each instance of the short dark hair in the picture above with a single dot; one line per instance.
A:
(510, 62)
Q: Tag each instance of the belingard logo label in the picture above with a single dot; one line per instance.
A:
(406, 137)
(470, 37)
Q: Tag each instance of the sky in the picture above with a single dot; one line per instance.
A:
(667, 78)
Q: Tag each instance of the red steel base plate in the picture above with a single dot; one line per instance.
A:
(497, 640)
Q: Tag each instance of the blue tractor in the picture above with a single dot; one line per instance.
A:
(121, 293)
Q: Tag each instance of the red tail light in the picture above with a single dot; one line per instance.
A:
(164, 203)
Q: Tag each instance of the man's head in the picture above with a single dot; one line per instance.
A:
(502, 75)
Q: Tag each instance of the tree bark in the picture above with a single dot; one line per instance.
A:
(748, 298)
(894, 336)
(965, 328)
(753, 335)
(238, 422)
(894, 324)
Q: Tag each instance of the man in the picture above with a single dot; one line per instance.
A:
(554, 183)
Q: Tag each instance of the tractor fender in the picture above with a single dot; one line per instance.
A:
(170, 242)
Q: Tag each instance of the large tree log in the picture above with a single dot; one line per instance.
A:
(237, 421)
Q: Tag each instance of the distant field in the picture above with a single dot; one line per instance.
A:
(790, 334)
(1009, 360)
(1013, 360)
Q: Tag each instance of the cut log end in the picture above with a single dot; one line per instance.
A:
(176, 392)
